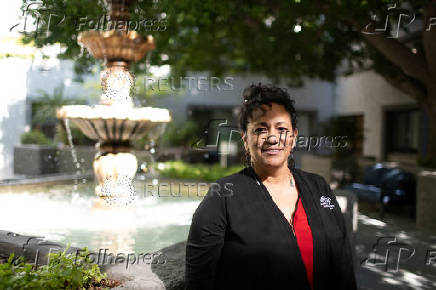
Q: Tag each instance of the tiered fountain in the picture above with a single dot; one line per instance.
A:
(115, 122)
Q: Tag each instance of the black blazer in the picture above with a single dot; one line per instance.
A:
(239, 238)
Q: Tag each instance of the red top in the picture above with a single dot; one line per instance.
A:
(304, 239)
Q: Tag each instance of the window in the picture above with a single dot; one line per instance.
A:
(402, 131)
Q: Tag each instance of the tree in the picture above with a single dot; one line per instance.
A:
(45, 106)
(44, 119)
(283, 39)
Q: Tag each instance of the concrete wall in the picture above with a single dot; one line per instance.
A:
(315, 96)
(46, 75)
(23, 80)
(426, 200)
(38, 160)
(321, 165)
(13, 109)
(366, 93)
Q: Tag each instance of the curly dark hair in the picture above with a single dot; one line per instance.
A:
(257, 95)
(254, 97)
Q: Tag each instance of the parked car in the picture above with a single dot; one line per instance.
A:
(387, 187)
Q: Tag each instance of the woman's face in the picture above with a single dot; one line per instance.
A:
(270, 136)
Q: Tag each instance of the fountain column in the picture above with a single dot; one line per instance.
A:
(115, 122)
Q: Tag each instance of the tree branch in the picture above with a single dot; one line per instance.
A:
(429, 39)
(411, 64)
(410, 88)
(410, 36)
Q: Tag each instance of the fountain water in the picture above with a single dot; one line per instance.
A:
(115, 122)
(73, 153)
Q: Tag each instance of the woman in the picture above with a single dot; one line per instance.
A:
(269, 226)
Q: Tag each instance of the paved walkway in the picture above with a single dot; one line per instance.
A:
(409, 251)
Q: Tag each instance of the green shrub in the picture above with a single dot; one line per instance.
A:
(35, 137)
(183, 170)
(181, 134)
(64, 271)
(78, 137)
(175, 134)
(45, 106)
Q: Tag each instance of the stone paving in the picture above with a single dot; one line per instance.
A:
(403, 258)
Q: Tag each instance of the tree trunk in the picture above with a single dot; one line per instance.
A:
(429, 41)
(431, 149)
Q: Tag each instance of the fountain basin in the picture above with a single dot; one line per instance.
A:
(116, 123)
(64, 215)
(116, 44)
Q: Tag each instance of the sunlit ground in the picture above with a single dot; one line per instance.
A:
(412, 273)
